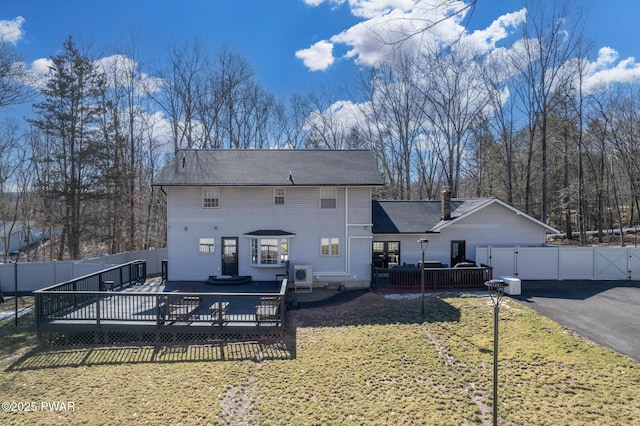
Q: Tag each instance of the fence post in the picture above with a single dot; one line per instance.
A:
(15, 296)
(558, 264)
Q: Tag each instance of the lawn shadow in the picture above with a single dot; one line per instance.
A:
(569, 289)
(257, 351)
(354, 309)
(368, 308)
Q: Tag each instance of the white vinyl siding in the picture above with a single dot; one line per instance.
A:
(249, 209)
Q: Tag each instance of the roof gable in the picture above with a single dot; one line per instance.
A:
(473, 205)
(420, 217)
(250, 167)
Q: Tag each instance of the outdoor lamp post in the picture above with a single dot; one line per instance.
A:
(423, 245)
(496, 291)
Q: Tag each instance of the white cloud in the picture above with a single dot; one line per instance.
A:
(606, 57)
(11, 31)
(372, 41)
(368, 8)
(485, 40)
(315, 3)
(373, 8)
(390, 25)
(118, 69)
(318, 57)
(41, 66)
(604, 72)
(346, 113)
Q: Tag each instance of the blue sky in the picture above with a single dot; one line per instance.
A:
(282, 39)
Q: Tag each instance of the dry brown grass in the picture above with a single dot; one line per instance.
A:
(369, 361)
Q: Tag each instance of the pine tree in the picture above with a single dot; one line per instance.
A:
(67, 117)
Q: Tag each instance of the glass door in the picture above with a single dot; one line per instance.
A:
(230, 256)
(386, 254)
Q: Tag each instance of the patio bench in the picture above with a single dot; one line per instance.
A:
(268, 308)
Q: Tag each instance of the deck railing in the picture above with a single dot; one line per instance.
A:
(434, 278)
(76, 292)
(78, 312)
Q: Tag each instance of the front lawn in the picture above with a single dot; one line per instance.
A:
(369, 361)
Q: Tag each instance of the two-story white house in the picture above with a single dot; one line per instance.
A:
(258, 212)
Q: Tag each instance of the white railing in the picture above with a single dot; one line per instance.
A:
(562, 262)
(33, 276)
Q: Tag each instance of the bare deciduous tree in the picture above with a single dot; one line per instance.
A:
(538, 61)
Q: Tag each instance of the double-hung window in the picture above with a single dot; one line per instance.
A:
(330, 246)
(210, 197)
(278, 196)
(207, 245)
(328, 198)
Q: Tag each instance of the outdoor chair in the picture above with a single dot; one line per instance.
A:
(268, 309)
(179, 308)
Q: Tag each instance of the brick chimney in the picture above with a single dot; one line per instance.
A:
(446, 203)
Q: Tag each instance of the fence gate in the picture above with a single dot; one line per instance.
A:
(612, 264)
(563, 263)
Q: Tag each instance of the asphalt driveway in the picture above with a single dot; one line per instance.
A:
(606, 312)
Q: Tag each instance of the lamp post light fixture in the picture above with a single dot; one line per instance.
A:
(423, 245)
(496, 291)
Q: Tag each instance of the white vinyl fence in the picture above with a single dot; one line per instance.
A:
(36, 275)
(562, 262)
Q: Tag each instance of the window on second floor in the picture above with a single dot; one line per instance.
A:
(278, 196)
(210, 197)
(328, 198)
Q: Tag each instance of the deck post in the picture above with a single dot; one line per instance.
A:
(98, 296)
(159, 320)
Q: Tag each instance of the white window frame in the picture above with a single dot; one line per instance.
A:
(281, 255)
(210, 197)
(279, 196)
(206, 245)
(329, 246)
(328, 194)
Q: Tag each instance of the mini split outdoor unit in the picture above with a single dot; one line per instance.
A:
(302, 274)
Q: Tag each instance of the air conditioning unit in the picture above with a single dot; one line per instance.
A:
(302, 276)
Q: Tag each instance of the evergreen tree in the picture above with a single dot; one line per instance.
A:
(67, 117)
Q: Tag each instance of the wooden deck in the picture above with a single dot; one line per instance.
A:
(151, 311)
(434, 278)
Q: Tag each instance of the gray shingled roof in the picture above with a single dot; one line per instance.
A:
(393, 217)
(421, 217)
(415, 217)
(270, 167)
